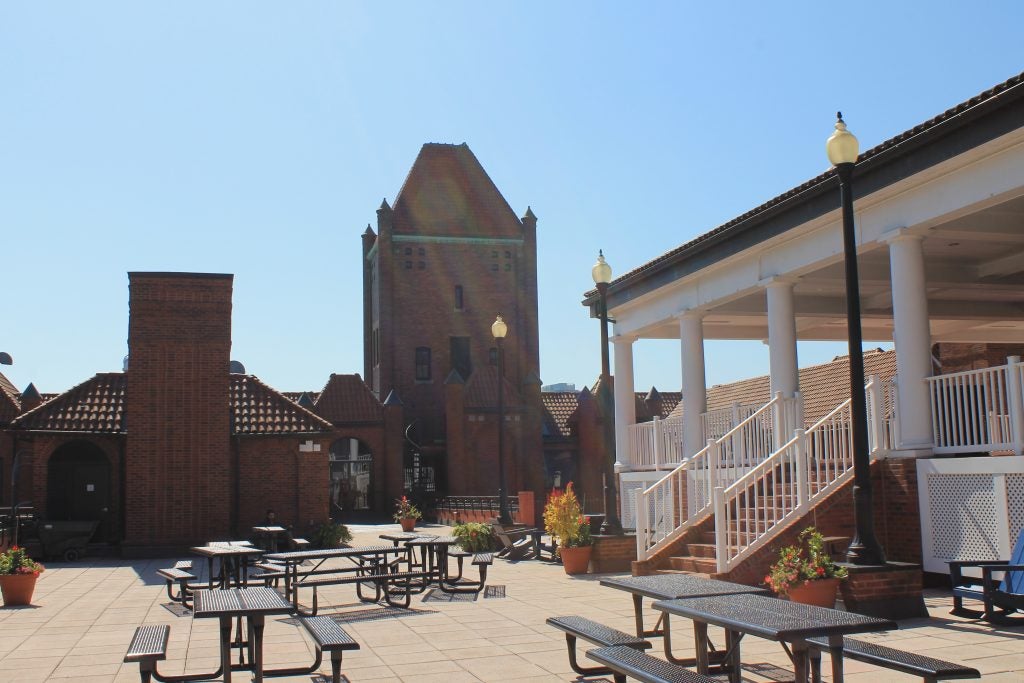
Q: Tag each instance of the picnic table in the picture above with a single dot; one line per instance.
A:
(253, 604)
(375, 556)
(232, 556)
(783, 621)
(269, 536)
(434, 559)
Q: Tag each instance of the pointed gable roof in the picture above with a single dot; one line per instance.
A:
(96, 405)
(347, 399)
(448, 193)
(10, 404)
(257, 408)
(559, 409)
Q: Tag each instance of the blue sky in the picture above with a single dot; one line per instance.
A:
(258, 138)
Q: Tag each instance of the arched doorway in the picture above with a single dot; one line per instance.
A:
(78, 486)
(351, 479)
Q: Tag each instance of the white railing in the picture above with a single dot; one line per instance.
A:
(684, 496)
(658, 444)
(978, 410)
(752, 510)
(655, 444)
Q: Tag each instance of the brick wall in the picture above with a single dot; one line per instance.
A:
(613, 553)
(959, 357)
(179, 485)
(275, 474)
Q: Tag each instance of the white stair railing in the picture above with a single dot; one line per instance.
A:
(750, 512)
(684, 496)
(655, 444)
(978, 410)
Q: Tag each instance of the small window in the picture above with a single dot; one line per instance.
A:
(458, 297)
(492, 356)
(423, 252)
(508, 266)
(422, 363)
(408, 265)
(408, 251)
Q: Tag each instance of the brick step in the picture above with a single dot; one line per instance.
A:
(694, 564)
(699, 549)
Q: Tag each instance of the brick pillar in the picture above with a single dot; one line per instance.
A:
(178, 456)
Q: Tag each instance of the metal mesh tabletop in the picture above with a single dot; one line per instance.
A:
(239, 602)
(226, 550)
(670, 586)
(433, 540)
(327, 553)
(772, 618)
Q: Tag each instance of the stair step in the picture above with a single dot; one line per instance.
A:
(700, 549)
(694, 564)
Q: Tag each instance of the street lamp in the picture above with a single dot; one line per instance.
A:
(602, 274)
(499, 329)
(864, 549)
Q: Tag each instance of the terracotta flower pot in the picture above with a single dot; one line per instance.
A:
(821, 593)
(408, 523)
(575, 560)
(17, 589)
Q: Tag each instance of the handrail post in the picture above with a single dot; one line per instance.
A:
(721, 529)
(659, 454)
(801, 463)
(1016, 401)
(876, 417)
(778, 430)
(713, 458)
(642, 527)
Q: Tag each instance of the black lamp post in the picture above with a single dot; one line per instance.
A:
(864, 549)
(602, 274)
(499, 329)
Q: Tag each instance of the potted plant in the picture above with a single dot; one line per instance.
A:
(331, 535)
(18, 574)
(805, 572)
(570, 529)
(406, 513)
(474, 537)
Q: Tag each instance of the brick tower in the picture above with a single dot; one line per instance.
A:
(444, 262)
(178, 446)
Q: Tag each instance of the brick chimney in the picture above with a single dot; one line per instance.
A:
(177, 460)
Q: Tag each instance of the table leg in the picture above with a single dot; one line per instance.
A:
(835, 649)
(256, 625)
(700, 641)
(638, 614)
(732, 656)
(800, 661)
(225, 647)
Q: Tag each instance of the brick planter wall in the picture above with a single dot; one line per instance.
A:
(613, 553)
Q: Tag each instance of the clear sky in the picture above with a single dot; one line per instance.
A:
(258, 138)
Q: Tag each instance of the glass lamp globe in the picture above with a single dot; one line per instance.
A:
(842, 146)
(601, 272)
(498, 328)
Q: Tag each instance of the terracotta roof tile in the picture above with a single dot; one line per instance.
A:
(95, 405)
(346, 398)
(559, 409)
(10, 405)
(448, 192)
(876, 151)
(823, 387)
(256, 408)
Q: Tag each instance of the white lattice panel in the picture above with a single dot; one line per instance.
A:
(963, 517)
(1015, 504)
(630, 491)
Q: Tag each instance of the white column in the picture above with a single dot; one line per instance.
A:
(785, 375)
(913, 339)
(625, 401)
(695, 399)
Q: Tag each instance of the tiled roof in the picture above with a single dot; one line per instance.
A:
(482, 390)
(823, 387)
(904, 137)
(10, 405)
(662, 407)
(96, 405)
(259, 409)
(346, 398)
(559, 409)
(448, 193)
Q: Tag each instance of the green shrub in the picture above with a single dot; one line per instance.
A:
(330, 535)
(474, 537)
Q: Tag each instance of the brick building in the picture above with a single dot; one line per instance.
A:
(448, 258)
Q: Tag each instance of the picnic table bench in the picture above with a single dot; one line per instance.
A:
(928, 668)
(626, 661)
(599, 634)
